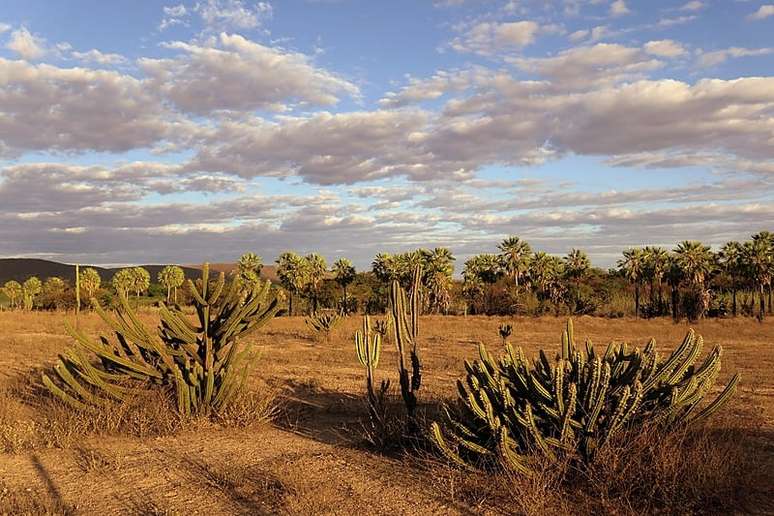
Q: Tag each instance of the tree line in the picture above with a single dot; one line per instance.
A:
(689, 281)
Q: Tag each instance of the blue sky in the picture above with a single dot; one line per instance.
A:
(138, 132)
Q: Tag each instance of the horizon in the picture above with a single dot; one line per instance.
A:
(184, 132)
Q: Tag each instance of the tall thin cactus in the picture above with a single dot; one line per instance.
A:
(404, 315)
(368, 345)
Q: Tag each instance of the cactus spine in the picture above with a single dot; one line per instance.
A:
(204, 361)
(578, 401)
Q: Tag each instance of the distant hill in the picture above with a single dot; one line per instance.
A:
(20, 269)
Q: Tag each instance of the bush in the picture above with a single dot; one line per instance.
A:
(575, 404)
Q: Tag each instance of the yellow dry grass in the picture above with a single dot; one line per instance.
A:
(140, 459)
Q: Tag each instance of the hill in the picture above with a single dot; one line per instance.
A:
(20, 269)
(267, 272)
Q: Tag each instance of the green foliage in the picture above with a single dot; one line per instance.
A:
(30, 290)
(293, 273)
(575, 403)
(203, 360)
(323, 323)
(14, 291)
(171, 278)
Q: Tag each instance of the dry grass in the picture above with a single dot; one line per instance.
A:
(140, 458)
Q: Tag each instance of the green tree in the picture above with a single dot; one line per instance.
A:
(633, 267)
(437, 278)
(14, 291)
(293, 273)
(31, 288)
(89, 282)
(656, 263)
(344, 273)
(697, 263)
(249, 269)
(576, 269)
(122, 281)
(171, 277)
(140, 280)
(732, 261)
(545, 273)
(515, 255)
(385, 267)
(758, 262)
(317, 269)
(767, 239)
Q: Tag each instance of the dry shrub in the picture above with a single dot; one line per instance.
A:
(704, 470)
(146, 413)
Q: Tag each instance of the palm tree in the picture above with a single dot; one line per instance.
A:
(384, 267)
(293, 273)
(576, 268)
(697, 263)
(122, 281)
(731, 260)
(13, 290)
(317, 269)
(30, 289)
(437, 277)
(768, 241)
(249, 268)
(545, 274)
(89, 282)
(758, 262)
(171, 277)
(344, 272)
(515, 255)
(633, 267)
(140, 280)
(656, 263)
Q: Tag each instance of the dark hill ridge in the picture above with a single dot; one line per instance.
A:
(20, 269)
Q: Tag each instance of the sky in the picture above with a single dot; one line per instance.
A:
(161, 132)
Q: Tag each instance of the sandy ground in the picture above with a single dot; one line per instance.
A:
(308, 461)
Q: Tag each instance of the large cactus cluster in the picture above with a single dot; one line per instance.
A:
(575, 403)
(204, 360)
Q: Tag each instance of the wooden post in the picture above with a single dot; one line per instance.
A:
(77, 294)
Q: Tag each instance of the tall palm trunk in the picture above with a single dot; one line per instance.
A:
(762, 303)
(290, 304)
(637, 300)
(733, 298)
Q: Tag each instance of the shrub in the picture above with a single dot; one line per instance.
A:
(573, 405)
(203, 361)
(323, 323)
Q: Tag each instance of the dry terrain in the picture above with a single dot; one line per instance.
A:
(309, 459)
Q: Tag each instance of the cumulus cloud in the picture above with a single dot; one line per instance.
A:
(714, 58)
(619, 8)
(234, 73)
(665, 48)
(488, 38)
(26, 44)
(763, 12)
(693, 5)
(232, 14)
(51, 108)
(97, 57)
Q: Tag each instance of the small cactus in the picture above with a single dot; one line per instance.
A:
(505, 330)
(323, 323)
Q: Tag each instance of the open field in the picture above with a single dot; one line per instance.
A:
(309, 459)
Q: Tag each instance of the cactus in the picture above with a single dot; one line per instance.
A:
(368, 346)
(404, 320)
(323, 323)
(505, 331)
(204, 361)
(574, 403)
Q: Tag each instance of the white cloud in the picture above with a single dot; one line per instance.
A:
(232, 14)
(693, 5)
(619, 8)
(234, 73)
(26, 44)
(763, 12)
(65, 109)
(489, 38)
(665, 48)
(714, 58)
(95, 56)
(4, 27)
